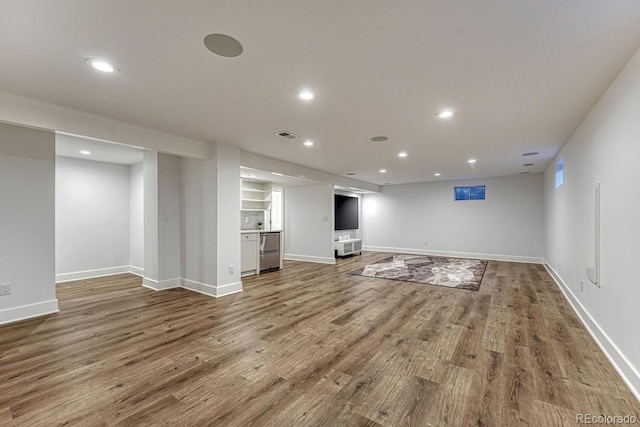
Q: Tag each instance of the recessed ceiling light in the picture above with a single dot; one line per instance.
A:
(277, 174)
(402, 154)
(308, 143)
(252, 176)
(445, 114)
(531, 153)
(101, 65)
(306, 95)
(84, 152)
(527, 164)
(350, 173)
(436, 174)
(471, 161)
(383, 171)
(379, 139)
(223, 45)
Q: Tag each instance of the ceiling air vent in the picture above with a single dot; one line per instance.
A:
(287, 135)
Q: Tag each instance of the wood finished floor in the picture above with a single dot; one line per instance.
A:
(310, 345)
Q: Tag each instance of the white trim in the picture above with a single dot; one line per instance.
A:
(89, 274)
(309, 258)
(471, 255)
(150, 283)
(15, 314)
(621, 364)
(201, 288)
(138, 271)
(211, 290)
(228, 289)
(160, 285)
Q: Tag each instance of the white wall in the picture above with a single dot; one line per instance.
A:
(92, 218)
(605, 149)
(162, 219)
(150, 201)
(227, 159)
(136, 219)
(210, 224)
(27, 227)
(308, 226)
(169, 219)
(198, 249)
(507, 225)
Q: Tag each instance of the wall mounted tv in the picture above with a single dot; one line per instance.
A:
(346, 212)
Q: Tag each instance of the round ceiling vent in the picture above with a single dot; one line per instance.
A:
(379, 139)
(223, 45)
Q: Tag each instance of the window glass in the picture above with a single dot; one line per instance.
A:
(476, 193)
(469, 193)
(462, 193)
(560, 172)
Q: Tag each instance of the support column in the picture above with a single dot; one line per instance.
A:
(161, 221)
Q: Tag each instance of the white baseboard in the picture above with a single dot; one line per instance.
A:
(15, 314)
(210, 290)
(138, 271)
(160, 285)
(228, 289)
(89, 274)
(630, 375)
(309, 258)
(471, 255)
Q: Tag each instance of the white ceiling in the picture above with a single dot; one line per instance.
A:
(521, 75)
(101, 151)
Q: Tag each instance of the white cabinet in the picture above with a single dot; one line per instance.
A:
(348, 247)
(256, 196)
(248, 253)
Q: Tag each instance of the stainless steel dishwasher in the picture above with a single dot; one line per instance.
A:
(269, 251)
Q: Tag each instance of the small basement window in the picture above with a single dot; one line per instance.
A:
(560, 172)
(469, 193)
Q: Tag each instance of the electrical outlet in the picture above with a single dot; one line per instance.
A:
(231, 269)
(5, 289)
(581, 285)
(426, 243)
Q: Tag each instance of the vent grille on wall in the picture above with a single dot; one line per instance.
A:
(287, 135)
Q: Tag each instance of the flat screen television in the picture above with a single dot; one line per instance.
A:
(346, 212)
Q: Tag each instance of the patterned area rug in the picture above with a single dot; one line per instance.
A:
(441, 271)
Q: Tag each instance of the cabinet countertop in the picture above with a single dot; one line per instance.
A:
(259, 231)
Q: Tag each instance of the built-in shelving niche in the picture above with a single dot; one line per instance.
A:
(256, 196)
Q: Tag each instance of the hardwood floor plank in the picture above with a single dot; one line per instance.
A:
(485, 406)
(309, 345)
